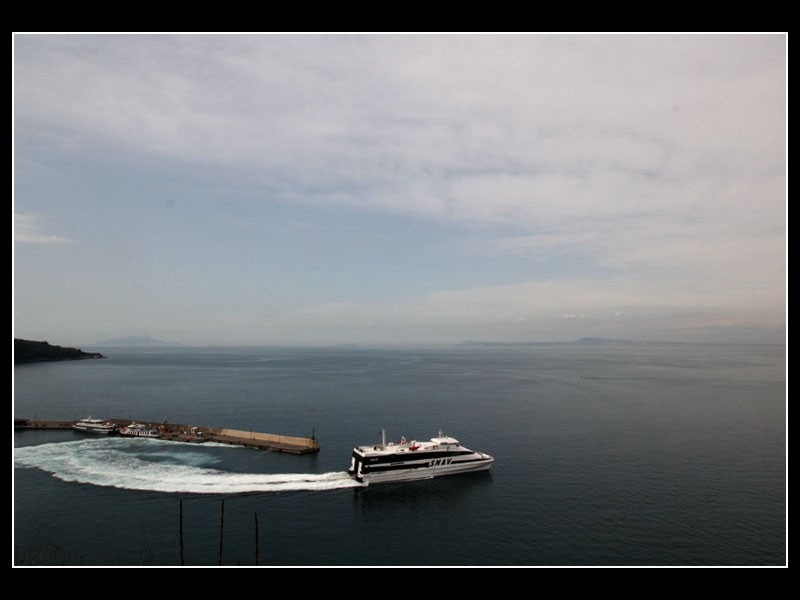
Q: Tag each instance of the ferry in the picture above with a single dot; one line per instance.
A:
(410, 461)
(91, 425)
(139, 430)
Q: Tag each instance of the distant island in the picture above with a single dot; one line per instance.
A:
(135, 341)
(586, 341)
(29, 351)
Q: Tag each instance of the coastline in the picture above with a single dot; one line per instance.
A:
(30, 351)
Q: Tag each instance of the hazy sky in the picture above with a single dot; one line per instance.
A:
(276, 189)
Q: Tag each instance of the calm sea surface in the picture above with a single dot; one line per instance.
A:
(612, 455)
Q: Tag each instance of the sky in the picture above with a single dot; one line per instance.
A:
(399, 189)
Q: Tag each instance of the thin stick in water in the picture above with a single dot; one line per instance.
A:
(221, 527)
(255, 516)
(180, 528)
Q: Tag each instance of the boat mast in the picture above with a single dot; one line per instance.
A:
(383, 439)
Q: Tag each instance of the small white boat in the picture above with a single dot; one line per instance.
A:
(91, 425)
(138, 430)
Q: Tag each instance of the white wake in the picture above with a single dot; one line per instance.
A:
(157, 466)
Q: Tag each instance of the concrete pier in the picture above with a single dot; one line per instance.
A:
(198, 434)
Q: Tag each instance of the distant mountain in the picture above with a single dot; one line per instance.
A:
(595, 341)
(484, 344)
(30, 351)
(586, 341)
(138, 341)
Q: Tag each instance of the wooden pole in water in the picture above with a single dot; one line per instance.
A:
(221, 527)
(180, 529)
(255, 516)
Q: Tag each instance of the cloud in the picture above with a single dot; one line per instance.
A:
(656, 164)
(379, 108)
(536, 131)
(28, 230)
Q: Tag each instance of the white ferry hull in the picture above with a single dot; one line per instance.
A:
(97, 430)
(143, 434)
(421, 473)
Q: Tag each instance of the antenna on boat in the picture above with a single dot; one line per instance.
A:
(383, 439)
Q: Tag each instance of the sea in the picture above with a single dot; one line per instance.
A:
(609, 455)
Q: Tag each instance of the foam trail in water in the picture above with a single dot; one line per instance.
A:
(123, 463)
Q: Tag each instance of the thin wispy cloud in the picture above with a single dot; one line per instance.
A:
(28, 230)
